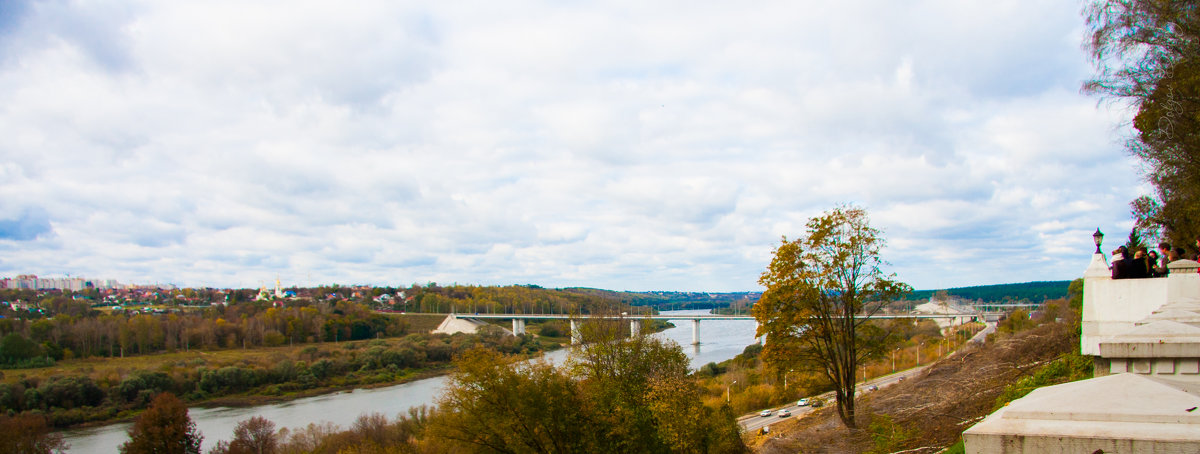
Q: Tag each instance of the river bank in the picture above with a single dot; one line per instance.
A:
(96, 391)
(256, 400)
(720, 340)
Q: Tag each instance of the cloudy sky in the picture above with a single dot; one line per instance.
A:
(627, 145)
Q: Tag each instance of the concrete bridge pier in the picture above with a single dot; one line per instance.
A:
(518, 326)
(575, 335)
(696, 332)
(635, 328)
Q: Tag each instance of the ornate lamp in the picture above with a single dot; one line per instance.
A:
(1098, 238)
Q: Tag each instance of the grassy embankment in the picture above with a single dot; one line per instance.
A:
(930, 411)
(759, 386)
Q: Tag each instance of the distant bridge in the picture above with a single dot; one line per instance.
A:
(518, 320)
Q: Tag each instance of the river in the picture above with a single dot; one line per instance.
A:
(719, 340)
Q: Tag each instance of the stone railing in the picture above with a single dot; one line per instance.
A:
(1144, 337)
(1114, 306)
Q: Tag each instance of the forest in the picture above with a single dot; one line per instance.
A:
(1034, 292)
(62, 325)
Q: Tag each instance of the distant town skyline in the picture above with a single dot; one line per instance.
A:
(623, 146)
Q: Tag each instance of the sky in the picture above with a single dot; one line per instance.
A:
(624, 145)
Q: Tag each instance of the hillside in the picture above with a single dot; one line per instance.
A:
(931, 410)
(667, 300)
(1035, 292)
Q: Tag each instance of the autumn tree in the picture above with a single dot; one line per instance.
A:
(821, 291)
(641, 391)
(29, 434)
(252, 436)
(493, 405)
(618, 394)
(1147, 52)
(164, 428)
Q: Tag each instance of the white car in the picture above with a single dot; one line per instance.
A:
(802, 402)
(784, 413)
(766, 413)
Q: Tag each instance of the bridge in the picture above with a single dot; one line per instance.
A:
(518, 320)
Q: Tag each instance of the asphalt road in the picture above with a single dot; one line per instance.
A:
(753, 422)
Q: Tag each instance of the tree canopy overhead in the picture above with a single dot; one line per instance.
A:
(1147, 52)
(822, 289)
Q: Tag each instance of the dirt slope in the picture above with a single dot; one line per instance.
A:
(931, 410)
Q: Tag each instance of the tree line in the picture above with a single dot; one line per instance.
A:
(1037, 292)
(246, 325)
(63, 327)
(513, 299)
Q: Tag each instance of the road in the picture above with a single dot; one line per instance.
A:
(753, 422)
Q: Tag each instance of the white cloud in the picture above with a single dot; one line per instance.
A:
(627, 146)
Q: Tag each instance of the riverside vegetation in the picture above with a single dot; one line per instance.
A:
(616, 394)
(414, 432)
(73, 363)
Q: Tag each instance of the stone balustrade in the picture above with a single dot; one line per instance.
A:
(1144, 335)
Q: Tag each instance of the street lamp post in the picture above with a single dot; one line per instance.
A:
(894, 359)
(919, 353)
(727, 390)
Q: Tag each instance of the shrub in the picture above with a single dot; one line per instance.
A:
(135, 383)
(230, 379)
(887, 435)
(71, 392)
(274, 338)
(1066, 368)
(553, 328)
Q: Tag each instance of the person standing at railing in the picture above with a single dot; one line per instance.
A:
(1164, 258)
(1155, 269)
(1139, 268)
(1120, 263)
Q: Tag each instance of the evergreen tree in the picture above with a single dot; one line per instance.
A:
(1134, 242)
